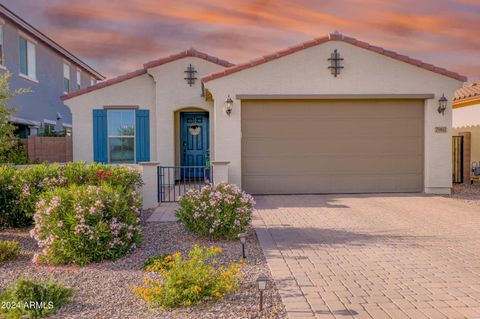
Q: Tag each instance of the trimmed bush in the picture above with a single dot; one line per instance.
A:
(188, 281)
(220, 211)
(9, 249)
(82, 224)
(33, 299)
(20, 188)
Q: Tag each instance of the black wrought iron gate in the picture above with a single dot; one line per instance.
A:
(175, 181)
(457, 159)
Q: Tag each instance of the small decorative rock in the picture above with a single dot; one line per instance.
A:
(104, 290)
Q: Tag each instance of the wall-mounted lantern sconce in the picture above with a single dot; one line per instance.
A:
(442, 104)
(228, 105)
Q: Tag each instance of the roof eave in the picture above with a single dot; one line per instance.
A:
(335, 37)
(104, 84)
(466, 101)
(187, 53)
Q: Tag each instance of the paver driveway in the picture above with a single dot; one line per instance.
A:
(372, 256)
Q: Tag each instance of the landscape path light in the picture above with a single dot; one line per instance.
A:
(243, 240)
(262, 285)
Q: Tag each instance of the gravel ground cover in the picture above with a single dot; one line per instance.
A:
(470, 194)
(103, 290)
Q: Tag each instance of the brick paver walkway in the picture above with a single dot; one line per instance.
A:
(392, 256)
(165, 212)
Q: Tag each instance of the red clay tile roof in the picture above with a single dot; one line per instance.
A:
(187, 53)
(103, 84)
(468, 93)
(333, 37)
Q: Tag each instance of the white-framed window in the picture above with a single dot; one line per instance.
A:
(28, 66)
(2, 62)
(79, 79)
(67, 129)
(121, 136)
(66, 78)
(49, 127)
(93, 81)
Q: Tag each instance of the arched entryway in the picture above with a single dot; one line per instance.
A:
(192, 136)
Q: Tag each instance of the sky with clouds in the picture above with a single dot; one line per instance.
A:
(118, 36)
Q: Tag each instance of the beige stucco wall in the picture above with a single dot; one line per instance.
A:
(467, 119)
(474, 139)
(163, 91)
(466, 116)
(365, 72)
(173, 94)
(138, 91)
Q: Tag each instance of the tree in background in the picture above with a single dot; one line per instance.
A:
(11, 151)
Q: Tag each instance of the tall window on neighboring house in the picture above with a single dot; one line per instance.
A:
(121, 136)
(66, 78)
(93, 81)
(27, 59)
(1, 45)
(79, 80)
(48, 129)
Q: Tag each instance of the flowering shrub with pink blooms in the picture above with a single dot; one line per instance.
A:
(82, 224)
(220, 211)
(21, 187)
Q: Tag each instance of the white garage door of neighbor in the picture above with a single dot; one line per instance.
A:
(332, 146)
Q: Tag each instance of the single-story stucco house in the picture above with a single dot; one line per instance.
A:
(466, 117)
(332, 115)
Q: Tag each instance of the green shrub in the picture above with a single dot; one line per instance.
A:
(9, 249)
(158, 263)
(20, 188)
(218, 211)
(82, 224)
(192, 280)
(16, 154)
(11, 215)
(32, 299)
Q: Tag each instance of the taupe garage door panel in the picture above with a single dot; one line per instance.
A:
(342, 145)
(332, 146)
(304, 127)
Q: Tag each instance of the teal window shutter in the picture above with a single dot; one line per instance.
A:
(100, 144)
(142, 135)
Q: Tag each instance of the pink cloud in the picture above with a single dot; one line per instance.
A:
(114, 35)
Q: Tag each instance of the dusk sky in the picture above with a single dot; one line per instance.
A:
(116, 37)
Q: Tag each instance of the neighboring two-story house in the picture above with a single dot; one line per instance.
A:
(466, 122)
(47, 69)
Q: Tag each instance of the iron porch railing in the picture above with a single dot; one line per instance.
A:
(175, 181)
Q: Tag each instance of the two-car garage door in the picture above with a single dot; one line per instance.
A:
(332, 146)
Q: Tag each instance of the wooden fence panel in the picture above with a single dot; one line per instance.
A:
(49, 149)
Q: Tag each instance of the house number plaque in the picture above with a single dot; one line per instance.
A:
(440, 129)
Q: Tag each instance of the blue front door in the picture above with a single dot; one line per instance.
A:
(194, 142)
